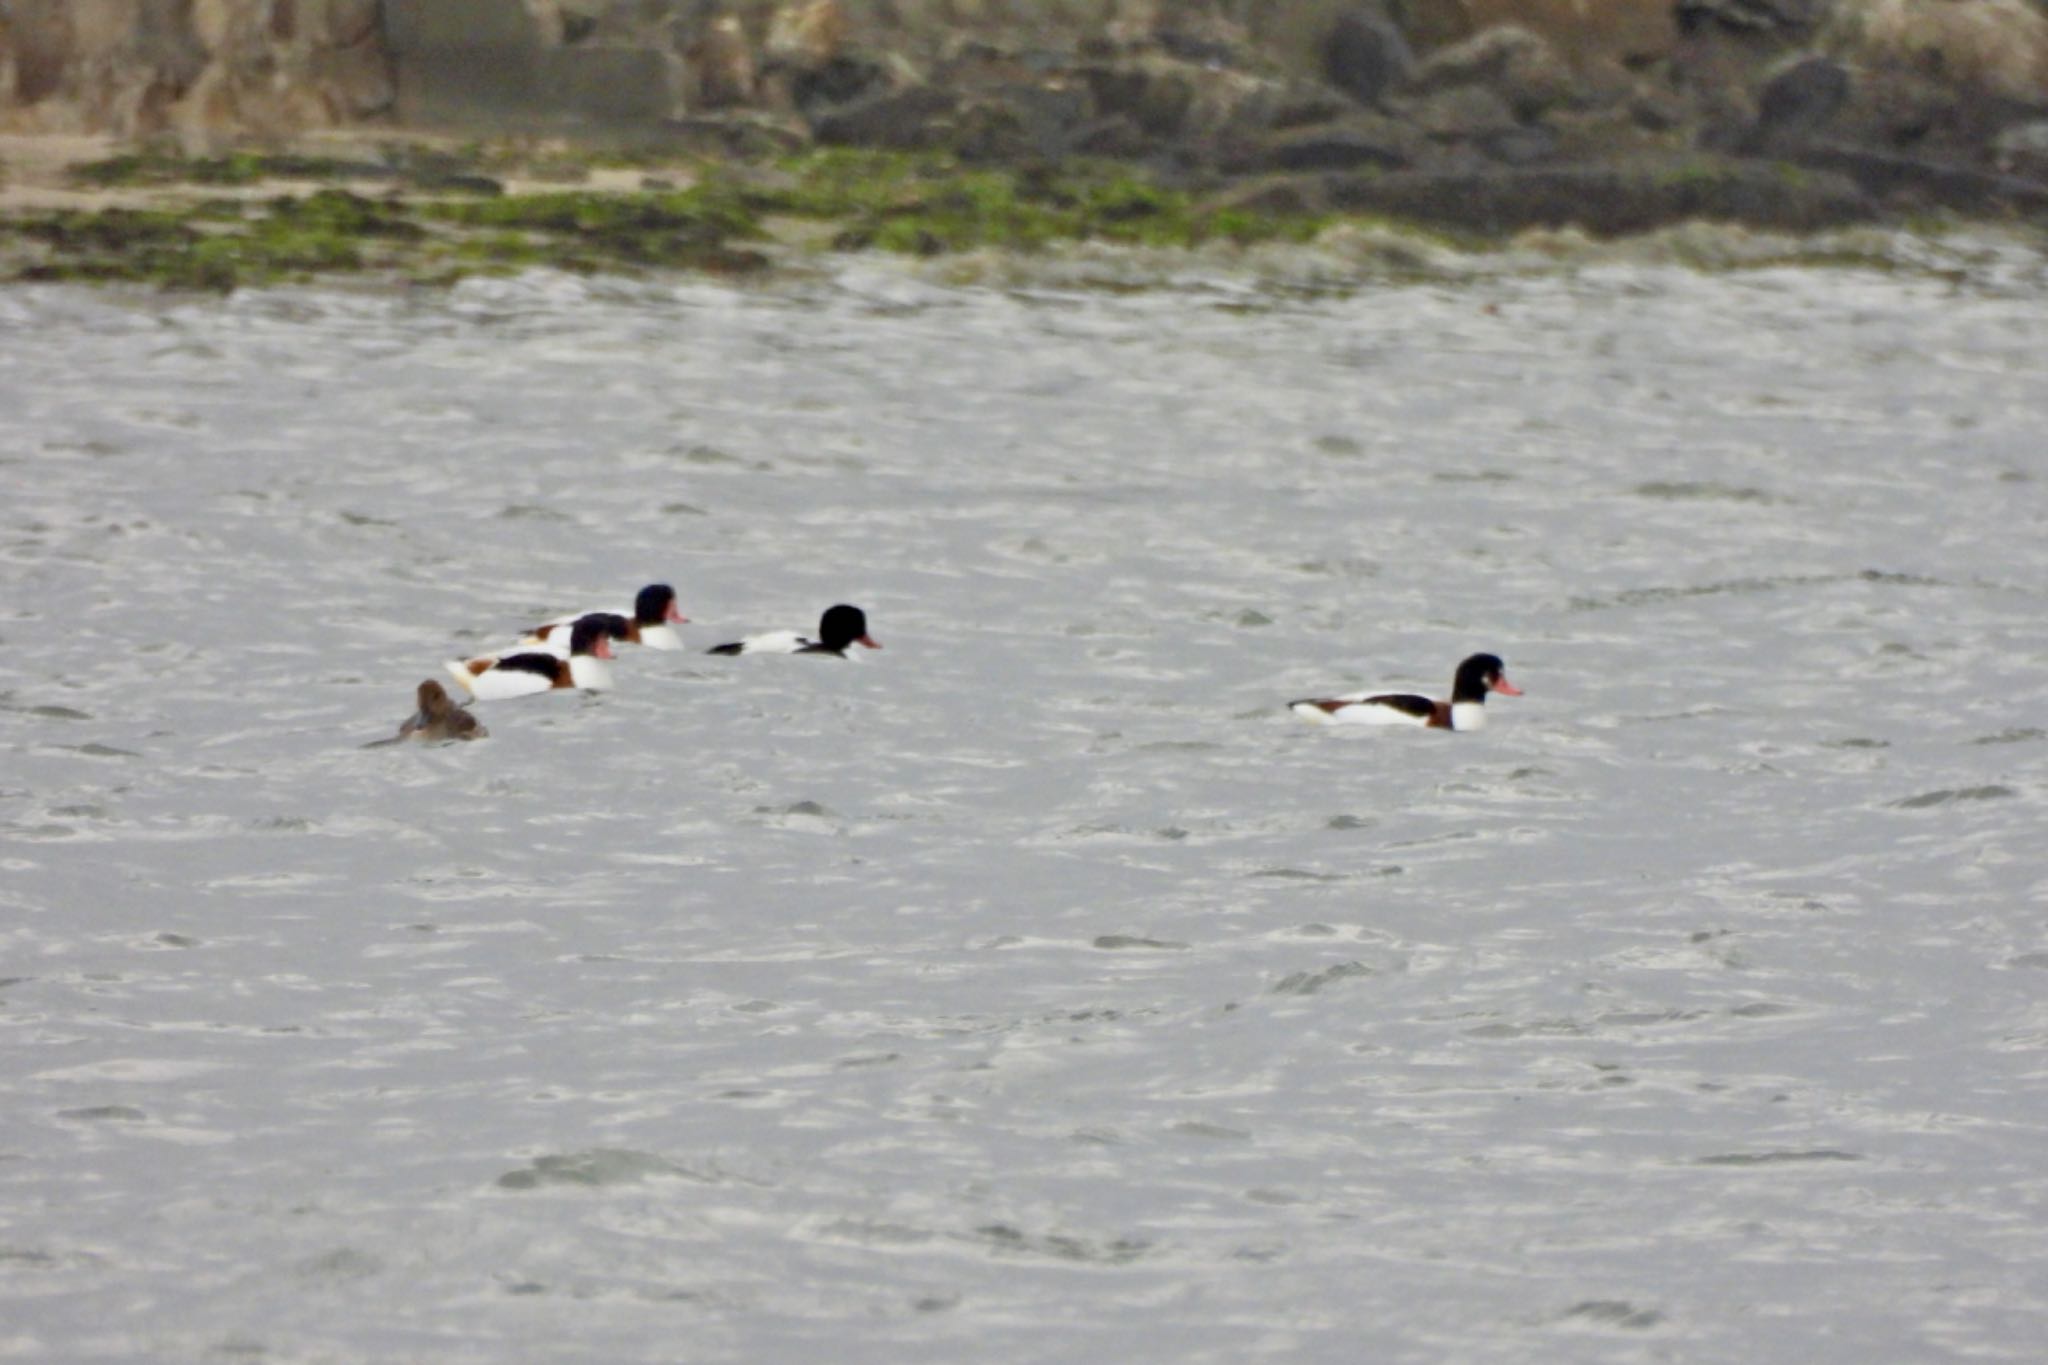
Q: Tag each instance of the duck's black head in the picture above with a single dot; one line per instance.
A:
(1480, 674)
(593, 634)
(656, 604)
(612, 626)
(842, 626)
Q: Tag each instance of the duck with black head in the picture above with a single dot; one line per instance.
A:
(652, 623)
(1466, 709)
(525, 673)
(839, 629)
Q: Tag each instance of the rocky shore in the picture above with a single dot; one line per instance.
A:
(1240, 118)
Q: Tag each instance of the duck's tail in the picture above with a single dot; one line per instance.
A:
(459, 670)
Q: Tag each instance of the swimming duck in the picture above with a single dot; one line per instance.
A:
(652, 622)
(839, 629)
(494, 677)
(440, 719)
(1466, 710)
(557, 639)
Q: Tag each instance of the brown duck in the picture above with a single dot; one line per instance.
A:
(440, 719)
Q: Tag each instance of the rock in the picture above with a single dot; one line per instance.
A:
(1791, 17)
(1658, 110)
(214, 23)
(358, 80)
(1354, 144)
(1798, 102)
(1293, 196)
(1155, 97)
(1114, 136)
(719, 67)
(1366, 56)
(916, 119)
(195, 66)
(840, 81)
(464, 60)
(453, 24)
(1938, 80)
(35, 47)
(1609, 200)
(1586, 34)
(749, 137)
(2023, 150)
(352, 23)
(1464, 113)
(1514, 63)
(1996, 48)
(1050, 116)
(806, 36)
(1522, 145)
(1913, 183)
(611, 85)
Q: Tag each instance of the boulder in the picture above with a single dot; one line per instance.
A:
(1587, 34)
(916, 119)
(2022, 150)
(599, 83)
(1938, 79)
(719, 71)
(1908, 183)
(1366, 55)
(1798, 102)
(1356, 143)
(806, 36)
(1514, 63)
(1020, 123)
(1154, 97)
(353, 23)
(1790, 18)
(1995, 48)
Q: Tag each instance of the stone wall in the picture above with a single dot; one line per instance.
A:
(1508, 77)
(139, 67)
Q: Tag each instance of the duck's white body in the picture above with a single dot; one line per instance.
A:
(775, 642)
(1367, 708)
(500, 679)
(522, 673)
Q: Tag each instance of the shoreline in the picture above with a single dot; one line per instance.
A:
(421, 208)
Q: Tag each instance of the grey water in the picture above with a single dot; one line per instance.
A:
(1035, 988)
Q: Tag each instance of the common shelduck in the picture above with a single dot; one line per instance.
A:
(494, 677)
(439, 718)
(1466, 710)
(839, 629)
(652, 622)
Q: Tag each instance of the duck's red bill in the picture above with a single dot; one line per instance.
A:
(676, 616)
(871, 642)
(1506, 688)
(604, 648)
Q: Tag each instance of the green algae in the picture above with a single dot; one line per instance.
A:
(588, 231)
(924, 204)
(154, 167)
(933, 204)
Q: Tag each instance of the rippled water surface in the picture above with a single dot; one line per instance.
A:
(1036, 989)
